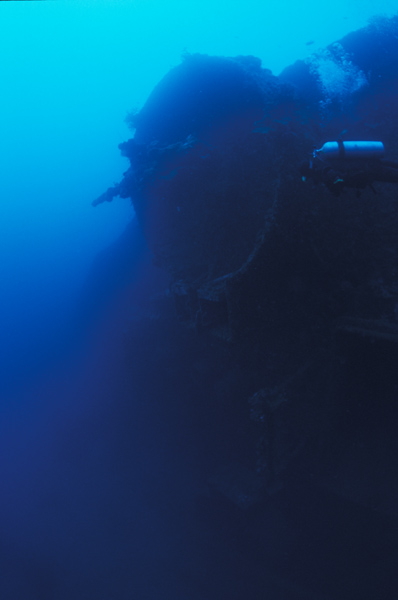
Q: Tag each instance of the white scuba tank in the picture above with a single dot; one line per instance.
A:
(338, 150)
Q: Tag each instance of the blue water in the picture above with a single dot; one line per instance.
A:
(72, 494)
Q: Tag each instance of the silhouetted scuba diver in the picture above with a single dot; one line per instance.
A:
(340, 165)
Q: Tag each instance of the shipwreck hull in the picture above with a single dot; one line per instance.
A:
(286, 342)
(256, 257)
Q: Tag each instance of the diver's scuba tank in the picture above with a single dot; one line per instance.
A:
(347, 150)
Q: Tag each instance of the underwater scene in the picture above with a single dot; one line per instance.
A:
(199, 300)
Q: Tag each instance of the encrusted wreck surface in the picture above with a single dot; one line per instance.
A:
(288, 296)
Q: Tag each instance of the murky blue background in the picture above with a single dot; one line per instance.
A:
(69, 74)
